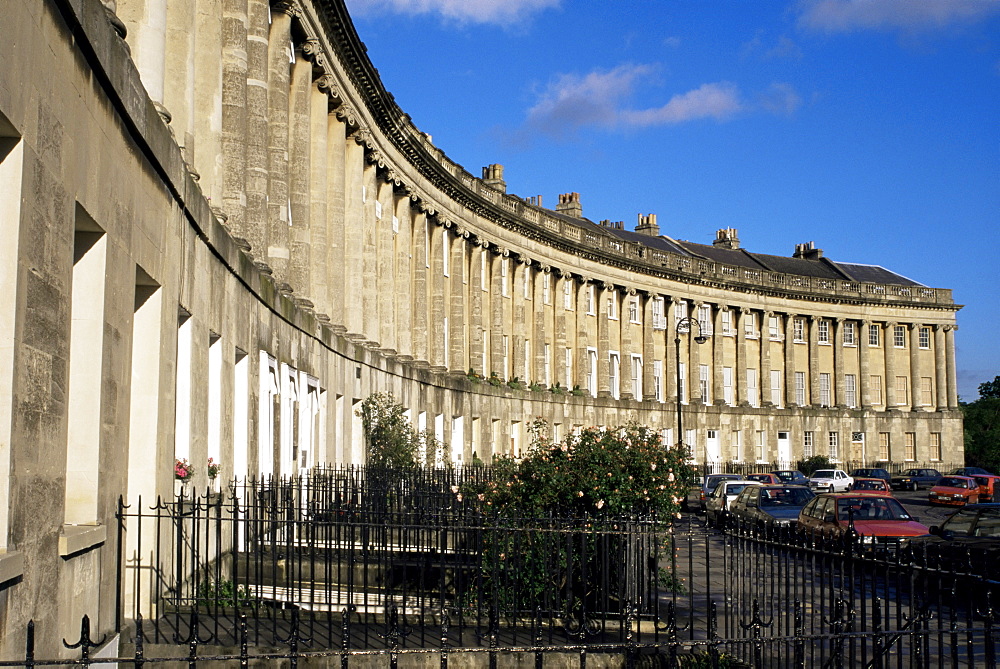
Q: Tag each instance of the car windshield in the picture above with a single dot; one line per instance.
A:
(785, 496)
(869, 485)
(735, 488)
(823, 474)
(952, 482)
(871, 508)
(989, 523)
(786, 476)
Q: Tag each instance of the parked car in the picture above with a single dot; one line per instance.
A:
(872, 473)
(770, 505)
(954, 490)
(717, 504)
(912, 479)
(989, 488)
(791, 477)
(763, 478)
(701, 493)
(968, 471)
(830, 480)
(880, 486)
(968, 541)
(875, 517)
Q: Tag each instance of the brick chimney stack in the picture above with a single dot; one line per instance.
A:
(808, 251)
(569, 204)
(647, 225)
(493, 177)
(727, 238)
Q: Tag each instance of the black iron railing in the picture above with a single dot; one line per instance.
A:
(353, 562)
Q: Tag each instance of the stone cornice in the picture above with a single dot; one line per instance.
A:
(511, 213)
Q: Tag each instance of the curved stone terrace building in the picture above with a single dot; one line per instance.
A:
(221, 234)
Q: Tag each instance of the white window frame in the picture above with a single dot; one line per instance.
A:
(773, 333)
(823, 332)
(591, 299)
(682, 378)
(527, 282)
(568, 294)
(899, 336)
(703, 384)
(445, 253)
(851, 390)
(504, 277)
(658, 380)
(705, 319)
(633, 310)
(569, 367)
(924, 338)
(808, 444)
(824, 389)
(592, 371)
(727, 323)
(614, 373)
(637, 377)
(546, 287)
(799, 330)
(800, 388)
(659, 320)
(752, 386)
(750, 325)
(612, 305)
(850, 332)
(833, 446)
(874, 336)
(776, 388)
(547, 360)
(680, 311)
(727, 385)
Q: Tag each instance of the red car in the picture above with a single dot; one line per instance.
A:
(955, 491)
(766, 479)
(989, 487)
(876, 517)
(879, 486)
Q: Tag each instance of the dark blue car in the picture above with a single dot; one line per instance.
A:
(770, 505)
(912, 479)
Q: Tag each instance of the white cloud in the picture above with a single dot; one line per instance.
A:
(720, 101)
(909, 15)
(501, 12)
(780, 98)
(593, 99)
(603, 99)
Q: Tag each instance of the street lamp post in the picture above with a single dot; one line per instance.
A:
(700, 339)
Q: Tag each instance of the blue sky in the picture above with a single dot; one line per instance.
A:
(871, 127)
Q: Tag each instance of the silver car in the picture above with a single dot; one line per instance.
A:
(717, 503)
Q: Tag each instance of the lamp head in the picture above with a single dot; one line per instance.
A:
(701, 339)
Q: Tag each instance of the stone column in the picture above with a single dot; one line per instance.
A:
(179, 78)
(420, 302)
(540, 334)
(648, 347)
(498, 303)
(477, 353)
(949, 331)
(563, 322)
(606, 292)
(864, 365)
(718, 362)
(146, 21)
(673, 391)
(890, 366)
(334, 222)
(401, 227)
(234, 116)
(814, 395)
(300, 168)
(764, 375)
(583, 341)
(740, 394)
(522, 319)
(694, 358)
(915, 381)
(354, 157)
(256, 136)
(385, 262)
(278, 253)
(941, 367)
(838, 387)
(457, 361)
(317, 236)
(625, 346)
(789, 345)
(438, 298)
(369, 252)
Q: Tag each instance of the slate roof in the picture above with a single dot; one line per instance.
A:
(822, 268)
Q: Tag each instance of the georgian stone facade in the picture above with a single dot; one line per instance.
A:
(221, 234)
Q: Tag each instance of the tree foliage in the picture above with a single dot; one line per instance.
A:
(390, 439)
(622, 470)
(982, 427)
